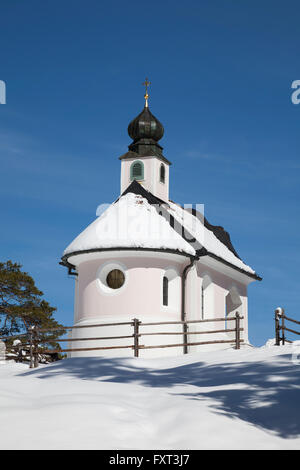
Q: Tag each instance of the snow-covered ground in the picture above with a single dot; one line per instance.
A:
(217, 400)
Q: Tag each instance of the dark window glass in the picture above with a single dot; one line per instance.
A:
(115, 279)
(165, 291)
(162, 174)
(137, 171)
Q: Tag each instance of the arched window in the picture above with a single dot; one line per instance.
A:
(165, 291)
(171, 289)
(137, 171)
(162, 173)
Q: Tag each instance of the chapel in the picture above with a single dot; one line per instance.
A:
(148, 257)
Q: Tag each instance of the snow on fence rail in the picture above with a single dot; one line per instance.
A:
(280, 319)
(34, 350)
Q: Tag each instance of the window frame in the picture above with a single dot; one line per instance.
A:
(162, 174)
(102, 273)
(165, 291)
(141, 176)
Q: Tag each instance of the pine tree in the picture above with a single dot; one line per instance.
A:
(22, 306)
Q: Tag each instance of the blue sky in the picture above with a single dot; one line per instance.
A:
(221, 73)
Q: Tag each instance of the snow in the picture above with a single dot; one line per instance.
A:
(130, 222)
(246, 399)
(206, 237)
(133, 222)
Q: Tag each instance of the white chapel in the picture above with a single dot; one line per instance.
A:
(150, 258)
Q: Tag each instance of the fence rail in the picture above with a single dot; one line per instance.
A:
(280, 327)
(35, 350)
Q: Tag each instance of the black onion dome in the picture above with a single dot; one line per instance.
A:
(145, 131)
(145, 126)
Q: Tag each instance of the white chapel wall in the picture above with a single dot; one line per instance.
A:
(216, 287)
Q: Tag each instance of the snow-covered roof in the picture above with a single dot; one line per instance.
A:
(131, 222)
(140, 220)
(206, 237)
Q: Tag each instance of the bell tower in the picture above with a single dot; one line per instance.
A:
(144, 161)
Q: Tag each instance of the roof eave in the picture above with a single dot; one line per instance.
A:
(133, 155)
(64, 259)
(254, 276)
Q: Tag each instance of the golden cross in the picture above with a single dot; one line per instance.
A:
(146, 96)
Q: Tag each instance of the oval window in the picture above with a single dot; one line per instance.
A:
(115, 279)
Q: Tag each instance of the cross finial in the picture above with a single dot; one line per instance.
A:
(146, 83)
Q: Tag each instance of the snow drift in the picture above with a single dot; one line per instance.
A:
(217, 400)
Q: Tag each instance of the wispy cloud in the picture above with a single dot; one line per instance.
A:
(32, 171)
(13, 143)
(198, 155)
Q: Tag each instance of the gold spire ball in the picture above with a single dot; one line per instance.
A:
(146, 83)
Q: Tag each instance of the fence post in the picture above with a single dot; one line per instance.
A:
(19, 350)
(136, 324)
(237, 330)
(277, 327)
(282, 327)
(185, 338)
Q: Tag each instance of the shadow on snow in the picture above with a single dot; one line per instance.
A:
(265, 394)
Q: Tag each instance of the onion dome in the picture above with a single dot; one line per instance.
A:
(145, 126)
(145, 131)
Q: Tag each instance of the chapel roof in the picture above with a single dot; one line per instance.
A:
(146, 126)
(140, 220)
(130, 222)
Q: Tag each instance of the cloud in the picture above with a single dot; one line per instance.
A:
(198, 155)
(32, 171)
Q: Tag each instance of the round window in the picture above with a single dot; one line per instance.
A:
(112, 277)
(115, 279)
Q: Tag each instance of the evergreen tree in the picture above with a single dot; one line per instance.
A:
(22, 306)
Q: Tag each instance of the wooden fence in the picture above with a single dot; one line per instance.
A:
(281, 328)
(35, 350)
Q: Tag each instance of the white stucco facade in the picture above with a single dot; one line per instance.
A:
(141, 297)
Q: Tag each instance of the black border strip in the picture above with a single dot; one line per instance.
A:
(65, 262)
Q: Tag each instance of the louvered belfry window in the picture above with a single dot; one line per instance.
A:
(137, 171)
(165, 291)
(115, 279)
